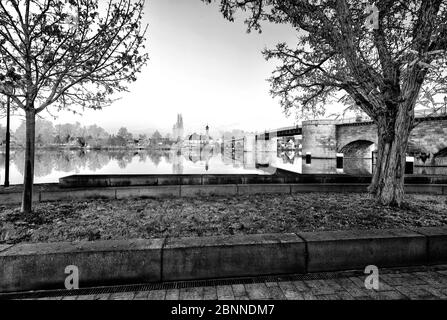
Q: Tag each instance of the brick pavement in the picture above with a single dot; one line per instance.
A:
(394, 284)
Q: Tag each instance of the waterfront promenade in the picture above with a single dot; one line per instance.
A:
(395, 284)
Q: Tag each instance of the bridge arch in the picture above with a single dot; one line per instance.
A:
(354, 140)
(358, 149)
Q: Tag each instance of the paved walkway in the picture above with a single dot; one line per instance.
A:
(400, 284)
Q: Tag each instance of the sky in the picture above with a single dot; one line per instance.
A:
(206, 68)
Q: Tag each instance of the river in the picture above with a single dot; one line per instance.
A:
(52, 165)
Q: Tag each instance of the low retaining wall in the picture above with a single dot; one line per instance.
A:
(25, 267)
(42, 266)
(282, 177)
(204, 190)
(232, 256)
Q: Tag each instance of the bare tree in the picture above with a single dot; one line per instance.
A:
(381, 57)
(67, 54)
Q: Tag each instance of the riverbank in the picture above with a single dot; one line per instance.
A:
(96, 148)
(209, 216)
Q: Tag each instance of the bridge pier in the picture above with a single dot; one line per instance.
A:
(319, 139)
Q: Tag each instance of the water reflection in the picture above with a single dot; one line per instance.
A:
(52, 165)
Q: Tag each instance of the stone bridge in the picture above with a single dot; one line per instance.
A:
(326, 138)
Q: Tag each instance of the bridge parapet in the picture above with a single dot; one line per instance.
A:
(420, 116)
(320, 122)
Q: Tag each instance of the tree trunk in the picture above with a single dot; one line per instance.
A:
(28, 181)
(388, 179)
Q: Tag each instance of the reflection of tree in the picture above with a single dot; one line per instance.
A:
(142, 156)
(97, 160)
(177, 167)
(176, 158)
(167, 158)
(2, 134)
(64, 161)
(123, 158)
(156, 155)
(69, 161)
(43, 163)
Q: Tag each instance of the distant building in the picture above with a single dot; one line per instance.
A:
(177, 130)
(199, 139)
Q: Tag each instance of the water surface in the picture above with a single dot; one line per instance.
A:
(52, 165)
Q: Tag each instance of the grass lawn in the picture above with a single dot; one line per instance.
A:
(155, 218)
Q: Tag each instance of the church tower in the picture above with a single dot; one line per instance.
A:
(178, 130)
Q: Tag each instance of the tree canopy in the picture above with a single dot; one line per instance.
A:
(125, 134)
(156, 136)
(69, 53)
(336, 52)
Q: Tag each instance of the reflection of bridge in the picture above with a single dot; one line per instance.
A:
(266, 162)
(262, 142)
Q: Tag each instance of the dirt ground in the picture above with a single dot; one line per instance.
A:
(154, 218)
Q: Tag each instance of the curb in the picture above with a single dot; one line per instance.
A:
(206, 190)
(25, 267)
